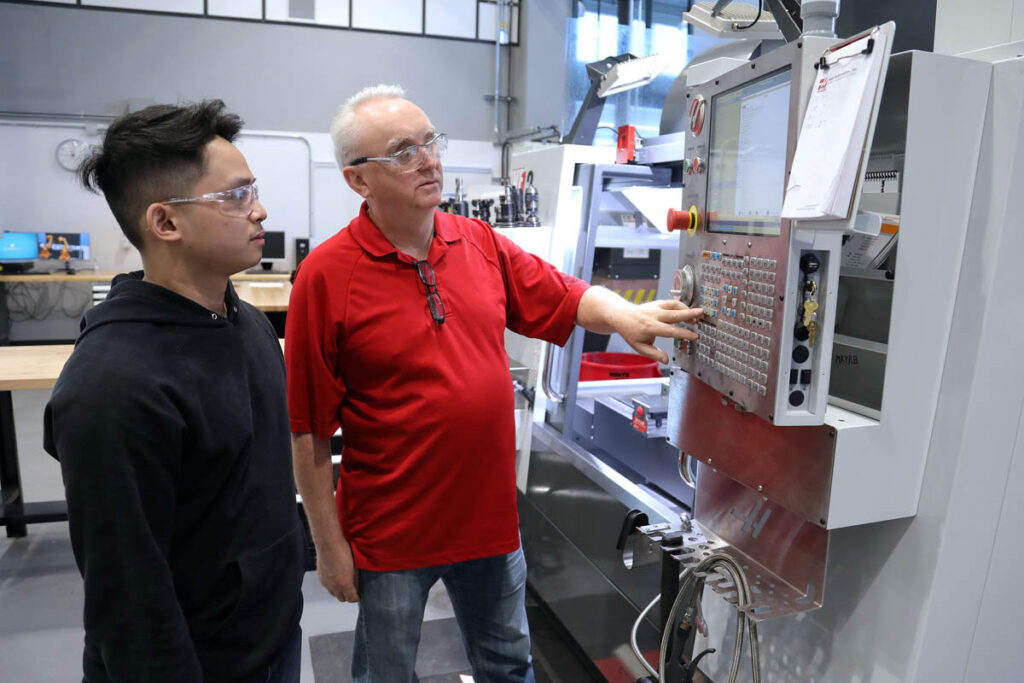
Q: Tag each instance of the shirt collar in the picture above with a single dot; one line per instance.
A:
(373, 241)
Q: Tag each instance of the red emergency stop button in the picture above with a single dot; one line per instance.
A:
(688, 220)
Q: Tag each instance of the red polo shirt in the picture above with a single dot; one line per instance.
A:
(426, 409)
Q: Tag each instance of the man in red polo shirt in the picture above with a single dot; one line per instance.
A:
(396, 333)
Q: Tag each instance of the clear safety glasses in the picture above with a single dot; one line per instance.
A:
(234, 202)
(411, 158)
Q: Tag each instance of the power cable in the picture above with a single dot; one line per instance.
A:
(760, 8)
(691, 580)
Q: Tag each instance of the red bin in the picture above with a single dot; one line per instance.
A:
(609, 365)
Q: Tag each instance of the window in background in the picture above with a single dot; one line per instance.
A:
(459, 19)
(595, 33)
(177, 6)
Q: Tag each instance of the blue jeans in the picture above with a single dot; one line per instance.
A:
(288, 665)
(488, 596)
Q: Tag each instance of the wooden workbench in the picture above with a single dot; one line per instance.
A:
(32, 367)
(108, 275)
(35, 367)
(268, 292)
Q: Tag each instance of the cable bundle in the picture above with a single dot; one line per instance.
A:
(692, 581)
(37, 301)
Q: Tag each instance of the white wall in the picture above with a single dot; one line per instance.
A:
(300, 185)
(278, 78)
(963, 26)
(70, 60)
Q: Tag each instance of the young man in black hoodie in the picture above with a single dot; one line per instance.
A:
(171, 427)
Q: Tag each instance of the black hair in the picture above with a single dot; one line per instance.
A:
(154, 154)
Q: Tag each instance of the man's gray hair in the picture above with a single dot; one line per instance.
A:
(345, 135)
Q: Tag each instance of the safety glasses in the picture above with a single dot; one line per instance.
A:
(413, 157)
(235, 202)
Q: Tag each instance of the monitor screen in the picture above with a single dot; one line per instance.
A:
(747, 157)
(64, 246)
(273, 245)
(18, 246)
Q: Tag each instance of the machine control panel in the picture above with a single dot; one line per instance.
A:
(767, 288)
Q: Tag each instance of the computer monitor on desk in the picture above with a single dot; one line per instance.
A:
(18, 251)
(273, 251)
(64, 247)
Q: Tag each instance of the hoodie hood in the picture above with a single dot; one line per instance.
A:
(131, 300)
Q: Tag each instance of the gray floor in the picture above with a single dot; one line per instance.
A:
(41, 590)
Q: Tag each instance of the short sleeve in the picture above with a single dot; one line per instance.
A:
(541, 301)
(311, 350)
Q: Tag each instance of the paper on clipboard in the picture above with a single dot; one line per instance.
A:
(833, 134)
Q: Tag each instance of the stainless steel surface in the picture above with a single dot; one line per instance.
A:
(662, 149)
(791, 466)
(788, 575)
(640, 550)
(549, 444)
(570, 517)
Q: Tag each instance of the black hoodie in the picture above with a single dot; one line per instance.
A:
(171, 428)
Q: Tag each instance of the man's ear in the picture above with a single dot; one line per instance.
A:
(354, 178)
(160, 222)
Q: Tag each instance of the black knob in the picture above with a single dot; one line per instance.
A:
(801, 333)
(809, 263)
(796, 398)
(801, 353)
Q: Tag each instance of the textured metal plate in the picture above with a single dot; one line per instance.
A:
(791, 466)
(783, 556)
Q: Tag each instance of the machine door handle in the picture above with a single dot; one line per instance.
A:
(553, 394)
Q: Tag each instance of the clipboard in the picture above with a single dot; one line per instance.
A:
(835, 137)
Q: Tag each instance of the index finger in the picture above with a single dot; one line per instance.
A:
(680, 316)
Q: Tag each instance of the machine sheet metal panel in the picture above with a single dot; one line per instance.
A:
(783, 556)
(789, 465)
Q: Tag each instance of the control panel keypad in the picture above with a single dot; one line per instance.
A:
(738, 296)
